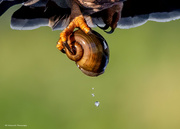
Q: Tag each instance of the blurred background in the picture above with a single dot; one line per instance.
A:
(42, 89)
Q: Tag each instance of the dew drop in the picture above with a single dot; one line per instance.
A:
(97, 103)
(92, 94)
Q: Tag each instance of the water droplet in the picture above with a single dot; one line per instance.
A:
(92, 94)
(97, 103)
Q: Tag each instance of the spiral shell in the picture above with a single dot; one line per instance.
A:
(91, 52)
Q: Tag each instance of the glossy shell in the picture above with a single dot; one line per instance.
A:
(91, 52)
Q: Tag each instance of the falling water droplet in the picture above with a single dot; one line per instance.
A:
(92, 94)
(97, 103)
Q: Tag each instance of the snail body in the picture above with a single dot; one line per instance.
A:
(91, 52)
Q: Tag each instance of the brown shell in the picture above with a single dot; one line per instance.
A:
(91, 52)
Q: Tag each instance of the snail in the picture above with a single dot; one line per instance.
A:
(90, 52)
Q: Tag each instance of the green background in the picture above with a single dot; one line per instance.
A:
(41, 88)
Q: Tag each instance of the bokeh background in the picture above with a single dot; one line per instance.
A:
(41, 88)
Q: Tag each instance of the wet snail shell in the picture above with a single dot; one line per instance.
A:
(91, 52)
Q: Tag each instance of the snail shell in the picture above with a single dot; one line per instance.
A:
(91, 52)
